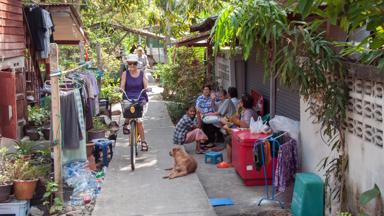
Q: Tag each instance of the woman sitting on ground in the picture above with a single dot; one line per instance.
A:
(242, 121)
(187, 131)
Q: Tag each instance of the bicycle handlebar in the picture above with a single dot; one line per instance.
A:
(132, 100)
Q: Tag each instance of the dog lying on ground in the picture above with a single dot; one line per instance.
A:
(184, 163)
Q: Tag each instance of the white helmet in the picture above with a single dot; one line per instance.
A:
(132, 58)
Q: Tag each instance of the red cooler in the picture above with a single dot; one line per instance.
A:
(242, 158)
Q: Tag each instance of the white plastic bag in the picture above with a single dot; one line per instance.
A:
(282, 123)
(256, 126)
(212, 119)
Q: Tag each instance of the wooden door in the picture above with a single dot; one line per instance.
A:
(8, 112)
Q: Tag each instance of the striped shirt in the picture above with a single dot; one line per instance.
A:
(182, 128)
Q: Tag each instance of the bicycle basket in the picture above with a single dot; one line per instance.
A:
(132, 110)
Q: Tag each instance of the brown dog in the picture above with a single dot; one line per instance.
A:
(183, 163)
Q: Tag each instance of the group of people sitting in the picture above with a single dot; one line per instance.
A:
(211, 120)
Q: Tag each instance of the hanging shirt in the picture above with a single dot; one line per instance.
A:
(287, 164)
(48, 24)
(37, 26)
(134, 85)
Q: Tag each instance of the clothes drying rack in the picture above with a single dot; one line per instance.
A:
(274, 142)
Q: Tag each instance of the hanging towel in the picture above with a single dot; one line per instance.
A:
(257, 153)
(71, 130)
(48, 24)
(267, 150)
(79, 154)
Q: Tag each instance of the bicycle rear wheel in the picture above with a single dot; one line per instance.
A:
(133, 143)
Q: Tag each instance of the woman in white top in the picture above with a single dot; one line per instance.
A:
(143, 63)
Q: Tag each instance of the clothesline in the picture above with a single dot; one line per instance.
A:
(271, 136)
(59, 73)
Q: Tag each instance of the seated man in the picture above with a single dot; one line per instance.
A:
(186, 131)
(225, 108)
(204, 105)
(242, 121)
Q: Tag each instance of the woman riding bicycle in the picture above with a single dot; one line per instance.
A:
(133, 81)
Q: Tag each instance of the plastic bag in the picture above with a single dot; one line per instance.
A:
(212, 119)
(282, 123)
(256, 126)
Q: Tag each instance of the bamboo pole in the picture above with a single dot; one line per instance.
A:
(56, 122)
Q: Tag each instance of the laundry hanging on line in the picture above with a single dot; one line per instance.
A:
(41, 27)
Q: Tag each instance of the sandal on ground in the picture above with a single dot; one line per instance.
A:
(126, 129)
(208, 145)
(223, 165)
(201, 151)
(144, 146)
(218, 148)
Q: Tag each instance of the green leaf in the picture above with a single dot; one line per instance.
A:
(369, 195)
(316, 24)
(46, 195)
(305, 7)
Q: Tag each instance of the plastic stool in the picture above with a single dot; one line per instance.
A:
(213, 157)
(103, 144)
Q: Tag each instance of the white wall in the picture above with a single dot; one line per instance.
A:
(313, 149)
(364, 141)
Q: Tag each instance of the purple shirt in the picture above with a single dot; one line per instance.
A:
(134, 85)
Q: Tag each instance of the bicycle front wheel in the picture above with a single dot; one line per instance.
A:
(133, 143)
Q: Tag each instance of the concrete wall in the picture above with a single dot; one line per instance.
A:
(364, 141)
(225, 69)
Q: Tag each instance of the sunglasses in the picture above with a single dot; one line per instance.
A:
(132, 63)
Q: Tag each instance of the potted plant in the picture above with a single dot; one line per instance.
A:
(25, 149)
(5, 176)
(37, 116)
(98, 130)
(46, 129)
(25, 178)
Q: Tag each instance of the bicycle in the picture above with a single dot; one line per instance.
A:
(132, 110)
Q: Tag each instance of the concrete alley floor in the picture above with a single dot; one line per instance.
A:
(144, 192)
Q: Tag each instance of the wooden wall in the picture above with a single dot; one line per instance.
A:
(12, 34)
